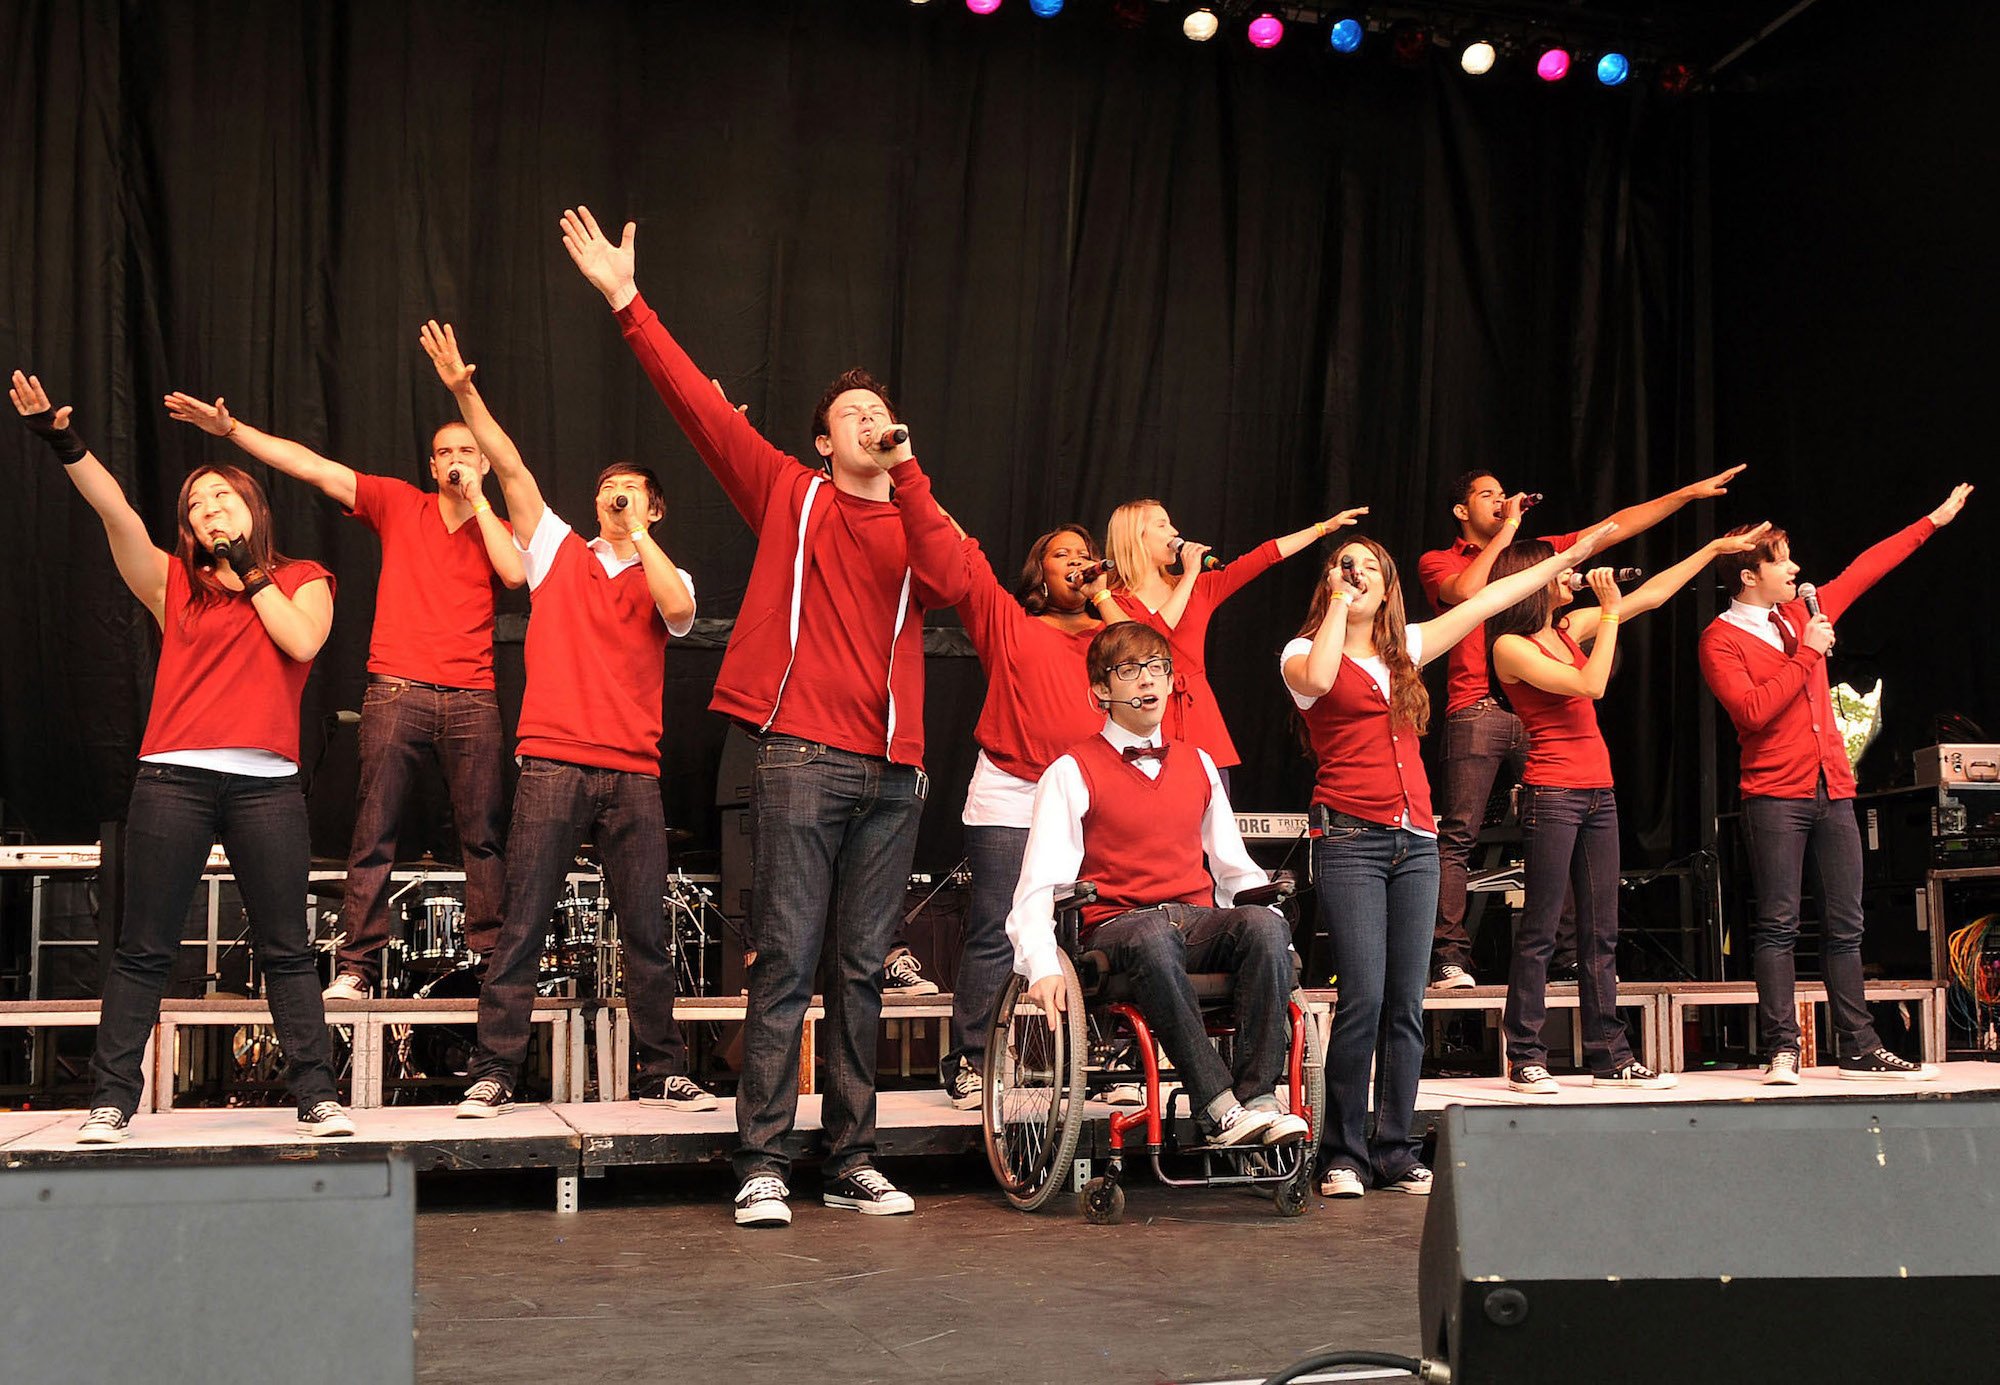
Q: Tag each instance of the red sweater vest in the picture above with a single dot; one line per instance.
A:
(1142, 836)
(1565, 748)
(222, 683)
(1367, 765)
(597, 666)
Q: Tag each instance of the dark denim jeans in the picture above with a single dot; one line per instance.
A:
(401, 723)
(1479, 742)
(985, 957)
(557, 807)
(1784, 833)
(831, 831)
(176, 813)
(1377, 891)
(1159, 947)
(1572, 838)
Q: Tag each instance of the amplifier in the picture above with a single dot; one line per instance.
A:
(1958, 764)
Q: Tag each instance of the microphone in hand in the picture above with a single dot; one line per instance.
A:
(1091, 573)
(1209, 562)
(1809, 594)
(1578, 580)
(892, 438)
(1530, 500)
(621, 502)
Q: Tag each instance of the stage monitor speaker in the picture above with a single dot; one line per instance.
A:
(300, 1271)
(1824, 1241)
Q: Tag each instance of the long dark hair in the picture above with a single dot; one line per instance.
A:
(1031, 588)
(1409, 700)
(1526, 616)
(204, 587)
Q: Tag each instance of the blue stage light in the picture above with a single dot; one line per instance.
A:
(1047, 9)
(1613, 68)
(1346, 36)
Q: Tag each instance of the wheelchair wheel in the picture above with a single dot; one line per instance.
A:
(1293, 1195)
(1101, 1202)
(1033, 1104)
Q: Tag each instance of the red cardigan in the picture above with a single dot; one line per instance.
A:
(845, 588)
(1781, 705)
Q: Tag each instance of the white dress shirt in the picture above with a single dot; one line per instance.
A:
(1757, 620)
(1055, 851)
(539, 554)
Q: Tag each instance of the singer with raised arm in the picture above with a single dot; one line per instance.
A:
(1569, 811)
(430, 669)
(240, 625)
(826, 667)
(1481, 737)
(1146, 818)
(1765, 660)
(1032, 642)
(1176, 585)
(1353, 674)
(601, 613)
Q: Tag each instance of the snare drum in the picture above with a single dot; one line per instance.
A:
(580, 922)
(437, 932)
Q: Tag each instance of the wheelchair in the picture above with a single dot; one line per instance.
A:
(1039, 1078)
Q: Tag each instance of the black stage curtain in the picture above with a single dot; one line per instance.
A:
(1094, 263)
(1855, 302)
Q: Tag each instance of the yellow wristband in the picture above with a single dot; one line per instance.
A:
(1101, 596)
(1320, 529)
(1608, 618)
(1514, 520)
(482, 506)
(638, 533)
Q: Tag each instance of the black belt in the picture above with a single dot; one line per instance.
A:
(1325, 819)
(392, 680)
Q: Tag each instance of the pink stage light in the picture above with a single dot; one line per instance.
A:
(982, 6)
(1553, 65)
(1266, 30)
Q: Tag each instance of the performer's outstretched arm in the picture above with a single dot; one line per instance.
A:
(294, 459)
(1875, 563)
(525, 506)
(1661, 585)
(140, 562)
(1444, 631)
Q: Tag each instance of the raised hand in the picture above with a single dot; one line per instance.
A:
(1604, 585)
(49, 424)
(467, 485)
(440, 343)
(743, 409)
(607, 266)
(213, 418)
(1514, 506)
(1588, 544)
(1818, 635)
(1740, 543)
(1715, 485)
(1345, 519)
(1941, 516)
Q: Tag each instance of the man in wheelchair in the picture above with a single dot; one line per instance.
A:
(1135, 814)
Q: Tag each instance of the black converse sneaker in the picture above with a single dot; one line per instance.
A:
(485, 1099)
(902, 976)
(1532, 1078)
(323, 1120)
(1880, 1065)
(105, 1125)
(1783, 1070)
(1452, 977)
(676, 1093)
(1416, 1181)
(964, 1085)
(865, 1190)
(761, 1201)
(1634, 1073)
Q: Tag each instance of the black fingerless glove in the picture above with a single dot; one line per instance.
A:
(236, 552)
(69, 448)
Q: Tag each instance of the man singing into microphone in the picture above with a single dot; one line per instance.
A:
(1136, 814)
(1480, 734)
(826, 666)
(430, 669)
(600, 617)
(1765, 661)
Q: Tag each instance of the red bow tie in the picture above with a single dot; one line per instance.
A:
(1144, 752)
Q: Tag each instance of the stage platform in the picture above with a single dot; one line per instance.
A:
(576, 1141)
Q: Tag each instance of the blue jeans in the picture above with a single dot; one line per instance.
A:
(558, 806)
(176, 813)
(1784, 833)
(1571, 837)
(402, 723)
(830, 831)
(985, 957)
(1377, 891)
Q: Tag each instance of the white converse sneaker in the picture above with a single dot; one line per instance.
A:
(1340, 1183)
(1783, 1070)
(1241, 1125)
(346, 986)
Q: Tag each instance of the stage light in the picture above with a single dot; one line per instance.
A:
(1676, 78)
(982, 6)
(1266, 30)
(1199, 25)
(1477, 59)
(1613, 69)
(1046, 9)
(1345, 36)
(1411, 43)
(1553, 65)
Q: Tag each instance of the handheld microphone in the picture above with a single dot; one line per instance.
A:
(452, 476)
(1578, 581)
(1530, 500)
(1809, 594)
(892, 439)
(1209, 562)
(621, 502)
(1091, 573)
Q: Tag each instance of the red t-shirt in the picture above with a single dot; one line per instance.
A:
(1193, 714)
(597, 667)
(434, 600)
(1565, 749)
(1467, 660)
(1142, 835)
(222, 683)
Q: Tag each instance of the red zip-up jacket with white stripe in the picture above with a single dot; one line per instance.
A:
(829, 642)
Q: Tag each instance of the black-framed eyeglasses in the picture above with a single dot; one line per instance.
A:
(1129, 673)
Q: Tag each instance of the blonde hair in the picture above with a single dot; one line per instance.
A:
(1125, 543)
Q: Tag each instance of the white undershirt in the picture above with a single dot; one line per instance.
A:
(1757, 620)
(996, 798)
(540, 554)
(232, 759)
